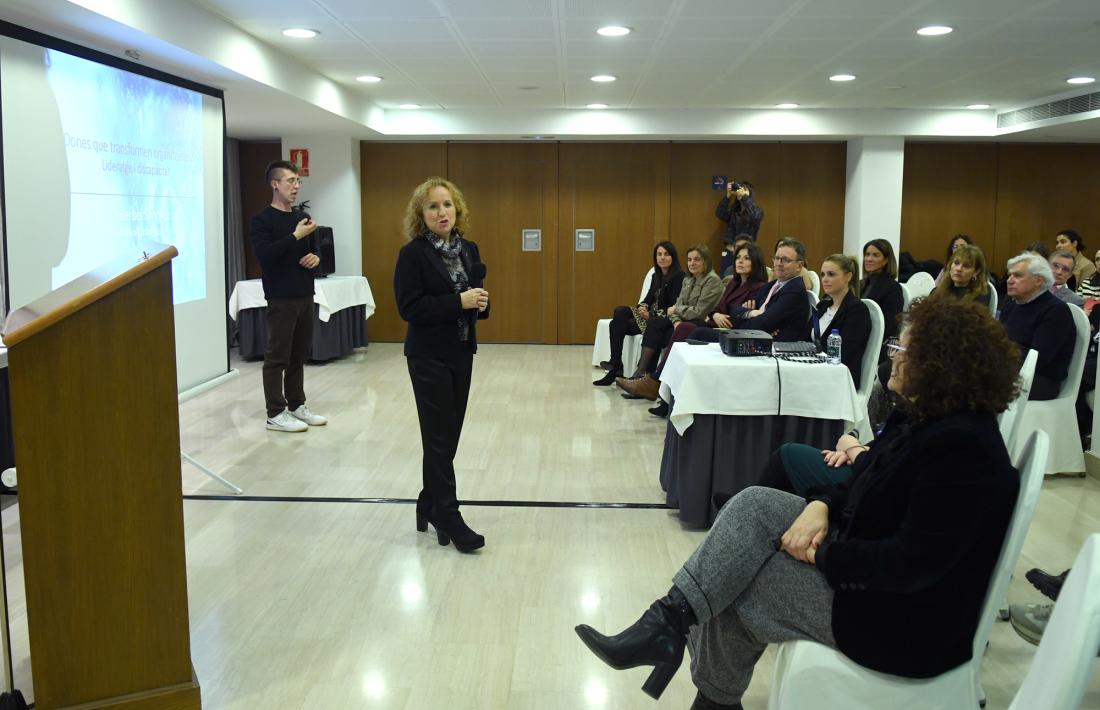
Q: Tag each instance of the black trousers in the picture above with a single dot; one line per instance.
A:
(441, 387)
(622, 324)
(289, 341)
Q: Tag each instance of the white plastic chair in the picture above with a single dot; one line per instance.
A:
(1009, 420)
(868, 368)
(813, 299)
(906, 299)
(632, 344)
(1059, 673)
(816, 279)
(1058, 416)
(920, 285)
(812, 675)
(993, 299)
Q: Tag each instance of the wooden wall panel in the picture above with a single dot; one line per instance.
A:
(693, 200)
(255, 193)
(510, 187)
(621, 191)
(390, 171)
(1042, 189)
(810, 207)
(949, 188)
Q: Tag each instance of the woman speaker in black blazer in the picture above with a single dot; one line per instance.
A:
(438, 284)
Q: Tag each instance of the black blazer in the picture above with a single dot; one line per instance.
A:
(920, 526)
(884, 290)
(427, 301)
(853, 320)
(787, 314)
(663, 292)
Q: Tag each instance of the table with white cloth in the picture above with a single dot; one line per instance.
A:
(342, 305)
(729, 414)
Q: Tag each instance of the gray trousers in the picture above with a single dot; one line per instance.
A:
(746, 593)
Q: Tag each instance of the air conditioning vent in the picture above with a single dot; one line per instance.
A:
(1053, 109)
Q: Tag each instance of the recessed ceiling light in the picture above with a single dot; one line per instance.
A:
(613, 31)
(369, 79)
(409, 107)
(1081, 80)
(597, 106)
(978, 107)
(786, 105)
(842, 77)
(935, 30)
(300, 33)
(604, 78)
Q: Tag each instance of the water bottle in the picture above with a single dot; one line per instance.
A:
(832, 349)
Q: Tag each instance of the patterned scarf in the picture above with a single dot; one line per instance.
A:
(451, 252)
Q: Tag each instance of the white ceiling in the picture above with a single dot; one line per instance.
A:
(695, 54)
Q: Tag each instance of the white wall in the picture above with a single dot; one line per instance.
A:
(872, 201)
(332, 189)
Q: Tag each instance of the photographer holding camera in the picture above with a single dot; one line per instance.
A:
(742, 217)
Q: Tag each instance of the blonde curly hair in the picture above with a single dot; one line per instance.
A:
(414, 224)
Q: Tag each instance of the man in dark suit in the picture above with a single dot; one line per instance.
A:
(784, 307)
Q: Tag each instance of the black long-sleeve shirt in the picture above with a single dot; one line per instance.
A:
(272, 233)
(1046, 326)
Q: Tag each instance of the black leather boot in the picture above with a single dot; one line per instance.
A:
(609, 379)
(657, 639)
(701, 703)
(450, 527)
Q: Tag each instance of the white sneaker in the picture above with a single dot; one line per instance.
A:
(304, 414)
(285, 422)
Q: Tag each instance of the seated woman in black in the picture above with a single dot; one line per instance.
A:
(966, 276)
(918, 526)
(664, 289)
(840, 309)
(700, 293)
(880, 282)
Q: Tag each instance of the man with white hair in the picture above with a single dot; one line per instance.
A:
(1037, 320)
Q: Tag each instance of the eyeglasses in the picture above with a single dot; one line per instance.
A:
(892, 350)
(293, 181)
(1061, 267)
(784, 260)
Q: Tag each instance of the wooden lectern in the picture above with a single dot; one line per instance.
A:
(96, 422)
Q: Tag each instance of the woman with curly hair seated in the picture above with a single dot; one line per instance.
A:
(856, 565)
(967, 277)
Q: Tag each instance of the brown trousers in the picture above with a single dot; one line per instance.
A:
(289, 342)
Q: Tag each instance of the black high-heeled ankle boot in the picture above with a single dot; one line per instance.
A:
(423, 511)
(450, 527)
(657, 639)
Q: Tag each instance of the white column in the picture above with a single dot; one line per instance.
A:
(333, 191)
(872, 201)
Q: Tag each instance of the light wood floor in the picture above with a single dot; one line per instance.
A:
(343, 605)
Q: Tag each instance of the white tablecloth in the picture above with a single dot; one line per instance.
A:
(3, 357)
(331, 294)
(703, 380)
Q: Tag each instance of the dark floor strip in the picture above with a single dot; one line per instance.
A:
(408, 501)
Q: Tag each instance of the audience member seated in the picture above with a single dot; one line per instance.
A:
(1070, 241)
(1090, 287)
(841, 309)
(880, 282)
(956, 241)
(918, 526)
(664, 289)
(1061, 267)
(700, 293)
(967, 276)
(750, 276)
(1002, 285)
(1036, 320)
